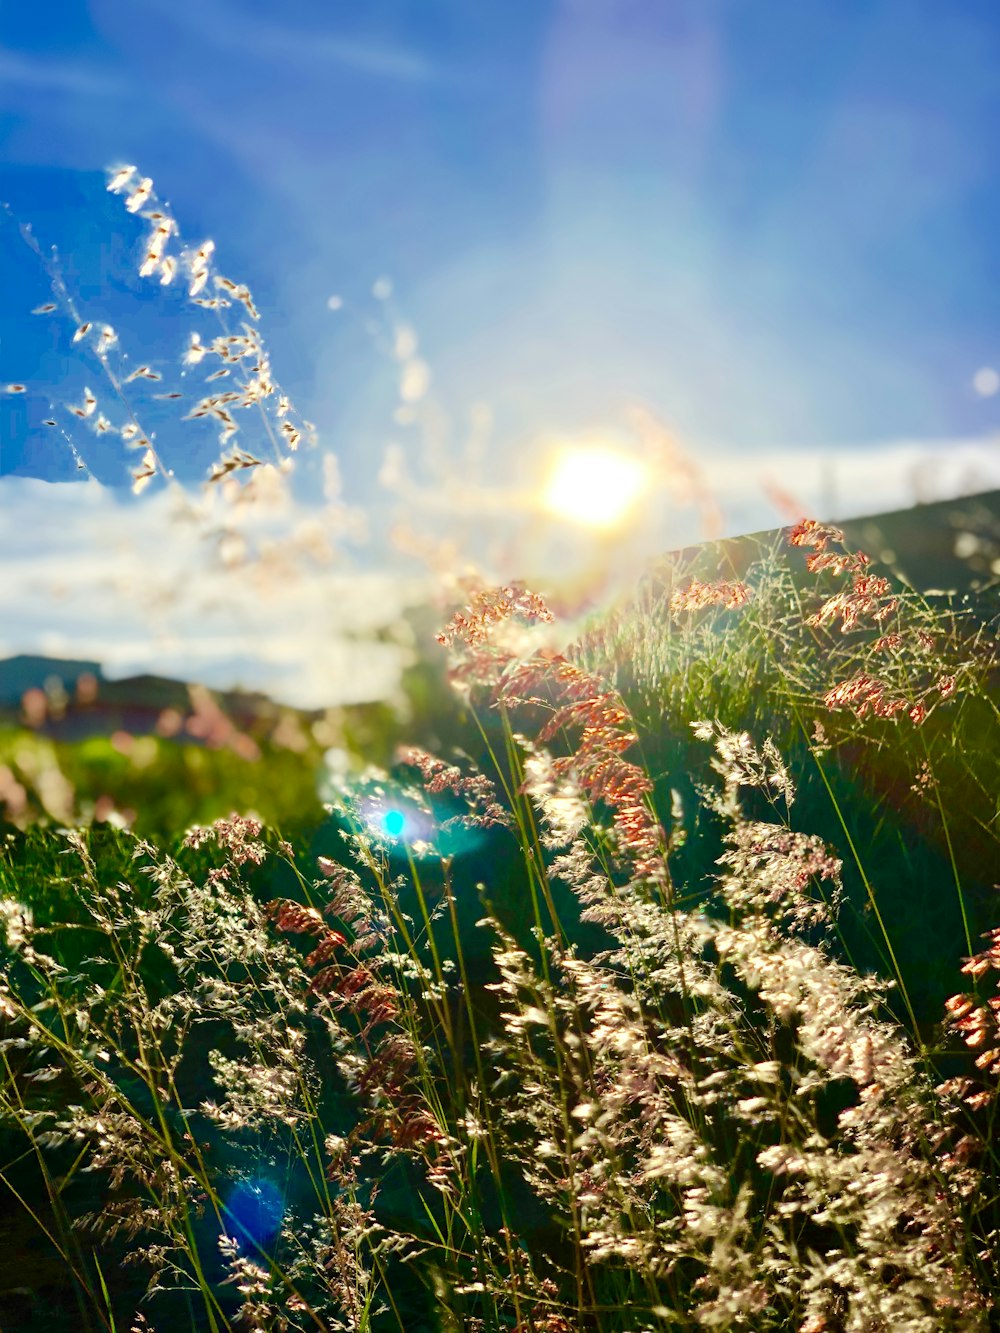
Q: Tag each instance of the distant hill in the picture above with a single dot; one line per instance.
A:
(134, 704)
(950, 544)
(946, 546)
(26, 672)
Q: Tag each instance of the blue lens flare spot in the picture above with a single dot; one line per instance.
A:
(393, 823)
(254, 1211)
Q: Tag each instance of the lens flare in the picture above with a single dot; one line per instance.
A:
(254, 1211)
(394, 823)
(400, 825)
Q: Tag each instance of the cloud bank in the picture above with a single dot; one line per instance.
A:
(139, 588)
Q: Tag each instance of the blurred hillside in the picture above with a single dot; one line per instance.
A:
(949, 546)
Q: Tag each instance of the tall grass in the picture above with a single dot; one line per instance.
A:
(649, 1102)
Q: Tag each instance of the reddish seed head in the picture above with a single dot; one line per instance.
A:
(696, 595)
(809, 532)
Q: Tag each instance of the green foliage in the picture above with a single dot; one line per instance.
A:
(159, 786)
(550, 1039)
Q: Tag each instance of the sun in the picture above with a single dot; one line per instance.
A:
(594, 485)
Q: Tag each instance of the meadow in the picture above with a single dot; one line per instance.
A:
(649, 982)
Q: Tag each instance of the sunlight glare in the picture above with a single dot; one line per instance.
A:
(594, 485)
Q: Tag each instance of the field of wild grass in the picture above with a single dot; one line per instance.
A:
(650, 983)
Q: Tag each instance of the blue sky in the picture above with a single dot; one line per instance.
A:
(773, 222)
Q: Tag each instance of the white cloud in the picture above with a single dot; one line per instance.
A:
(854, 483)
(88, 574)
(234, 29)
(18, 70)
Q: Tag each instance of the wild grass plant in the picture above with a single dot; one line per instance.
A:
(314, 1110)
(624, 1025)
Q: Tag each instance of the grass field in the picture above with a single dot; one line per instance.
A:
(649, 1011)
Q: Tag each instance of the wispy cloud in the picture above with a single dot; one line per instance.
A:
(21, 71)
(220, 25)
(368, 57)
